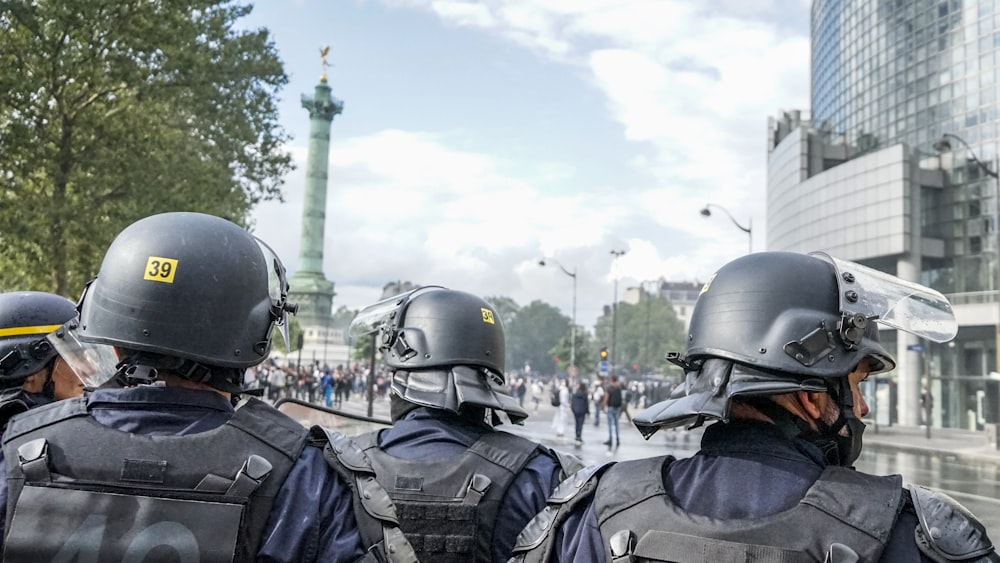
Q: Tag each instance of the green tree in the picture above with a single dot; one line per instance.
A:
(586, 352)
(113, 110)
(507, 310)
(294, 335)
(532, 334)
(646, 331)
(362, 348)
(343, 317)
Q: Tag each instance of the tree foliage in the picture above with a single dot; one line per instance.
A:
(113, 110)
(539, 333)
(646, 331)
(532, 333)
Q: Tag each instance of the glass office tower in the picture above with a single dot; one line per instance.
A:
(866, 179)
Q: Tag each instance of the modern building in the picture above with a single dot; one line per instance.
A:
(867, 178)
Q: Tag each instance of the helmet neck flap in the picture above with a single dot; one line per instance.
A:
(445, 349)
(461, 390)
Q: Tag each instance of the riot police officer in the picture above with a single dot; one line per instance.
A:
(777, 348)
(463, 488)
(166, 466)
(31, 370)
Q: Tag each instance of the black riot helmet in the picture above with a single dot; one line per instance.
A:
(781, 311)
(778, 322)
(187, 292)
(445, 347)
(26, 318)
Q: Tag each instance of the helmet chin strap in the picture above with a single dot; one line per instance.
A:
(837, 448)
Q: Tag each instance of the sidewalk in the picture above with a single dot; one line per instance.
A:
(965, 444)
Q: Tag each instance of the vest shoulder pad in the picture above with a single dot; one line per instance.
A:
(374, 512)
(569, 463)
(575, 488)
(947, 529)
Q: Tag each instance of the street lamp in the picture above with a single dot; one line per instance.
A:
(748, 229)
(614, 308)
(649, 302)
(944, 145)
(572, 344)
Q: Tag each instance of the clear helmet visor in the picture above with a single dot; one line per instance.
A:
(382, 314)
(93, 364)
(893, 302)
(277, 288)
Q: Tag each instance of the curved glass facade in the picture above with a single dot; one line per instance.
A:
(906, 71)
(861, 177)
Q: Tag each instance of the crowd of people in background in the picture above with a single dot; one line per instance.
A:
(331, 386)
(580, 399)
(321, 384)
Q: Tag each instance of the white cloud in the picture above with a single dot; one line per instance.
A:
(691, 85)
(465, 13)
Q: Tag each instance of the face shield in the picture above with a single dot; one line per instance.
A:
(277, 288)
(868, 295)
(382, 317)
(93, 364)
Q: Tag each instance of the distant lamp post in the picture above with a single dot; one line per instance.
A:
(614, 308)
(944, 145)
(572, 344)
(748, 229)
(648, 297)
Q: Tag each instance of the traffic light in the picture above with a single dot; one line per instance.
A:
(604, 353)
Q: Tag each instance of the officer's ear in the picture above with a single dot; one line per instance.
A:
(812, 403)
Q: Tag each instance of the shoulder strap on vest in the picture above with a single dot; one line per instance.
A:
(45, 415)
(373, 509)
(259, 419)
(568, 463)
(366, 441)
(505, 449)
(537, 540)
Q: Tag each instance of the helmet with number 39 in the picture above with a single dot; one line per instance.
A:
(183, 290)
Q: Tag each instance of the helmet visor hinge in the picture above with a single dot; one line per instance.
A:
(400, 347)
(852, 329)
(812, 347)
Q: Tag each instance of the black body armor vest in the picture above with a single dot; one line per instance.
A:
(844, 514)
(205, 495)
(447, 508)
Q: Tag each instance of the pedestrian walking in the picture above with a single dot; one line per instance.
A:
(613, 400)
(580, 405)
(598, 398)
(561, 401)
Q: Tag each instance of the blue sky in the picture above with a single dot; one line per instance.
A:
(478, 136)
